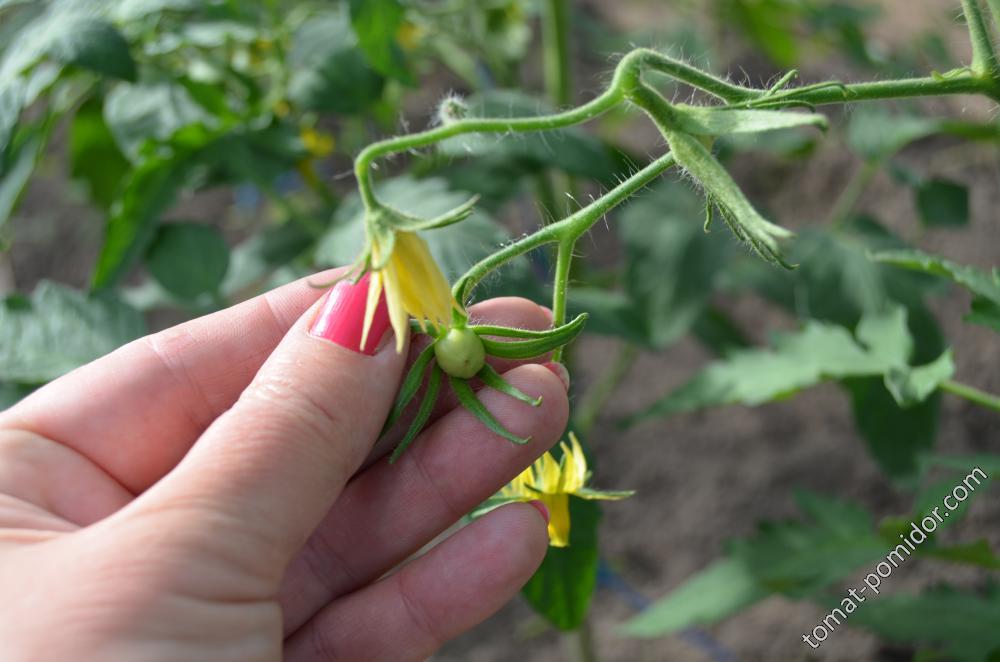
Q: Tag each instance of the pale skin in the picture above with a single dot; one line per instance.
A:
(196, 495)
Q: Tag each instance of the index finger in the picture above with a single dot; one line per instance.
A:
(137, 411)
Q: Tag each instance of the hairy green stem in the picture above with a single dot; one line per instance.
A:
(568, 229)
(564, 259)
(362, 164)
(848, 198)
(627, 85)
(585, 638)
(972, 394)
(555, 39)
(836, 92)
(984, 57)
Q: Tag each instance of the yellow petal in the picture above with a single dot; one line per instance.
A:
(428, 290)
(547, 474)
(558, 505)
(371, 305)
(398, 317)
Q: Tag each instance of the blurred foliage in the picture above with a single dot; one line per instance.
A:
(161, 101)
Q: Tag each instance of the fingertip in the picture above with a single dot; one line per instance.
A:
(516, 312)
(546, 422)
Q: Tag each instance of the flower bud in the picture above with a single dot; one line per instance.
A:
(452, 109)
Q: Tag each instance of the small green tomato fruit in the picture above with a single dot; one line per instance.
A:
(460, 353)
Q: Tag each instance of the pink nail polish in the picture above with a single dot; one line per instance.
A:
(560, 371)
(540, 507)
(341, 318)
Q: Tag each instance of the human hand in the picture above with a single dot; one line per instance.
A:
(194, 496)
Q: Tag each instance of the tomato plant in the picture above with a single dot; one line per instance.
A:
(159, 107)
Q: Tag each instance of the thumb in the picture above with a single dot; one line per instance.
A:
(266, 472)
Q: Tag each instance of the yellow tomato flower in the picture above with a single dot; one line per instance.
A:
(553, 483)
(409, 35)
(317, 143)
(413, 285)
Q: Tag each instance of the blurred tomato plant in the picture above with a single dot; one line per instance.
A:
(153, 103)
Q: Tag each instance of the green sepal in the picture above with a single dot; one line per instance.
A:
(602, 495)
(745, 221)
(401, 221)
(386, 238)
(423, 414)
(492, 504)
(707, 121)
(783, 82)
(535, 344)
(493, 379)
(409, 387)
(467, 397)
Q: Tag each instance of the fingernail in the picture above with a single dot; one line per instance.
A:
(341, 318)
(540, 507)
(560, 371)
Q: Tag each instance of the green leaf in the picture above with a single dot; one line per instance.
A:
(769, 24)
(980, 283)
(910, 386)
(722, 589)
(886, 336)
(793, 558)
(960, 625)
(468, 399)
(799, 559)
(718, 333)
(837, 282)
(562, 587)
(978, 554)
(59, 329)
(943, 203)
(423, 413)
(984, 313)
(18, 164)
(671, 265)
(745, 222)
(150, 111)
(988, 463)
(896, 437)
(94, 158)
(126, 11)
(535, 346)
(798, 360)
(11, 394)
(708, 121)
(188, 259)
(376, 23)
(984, 286)
(68, 34)
(930, 497)
(329, 73)
(876, 134)
(93, 43)
(131, 225)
